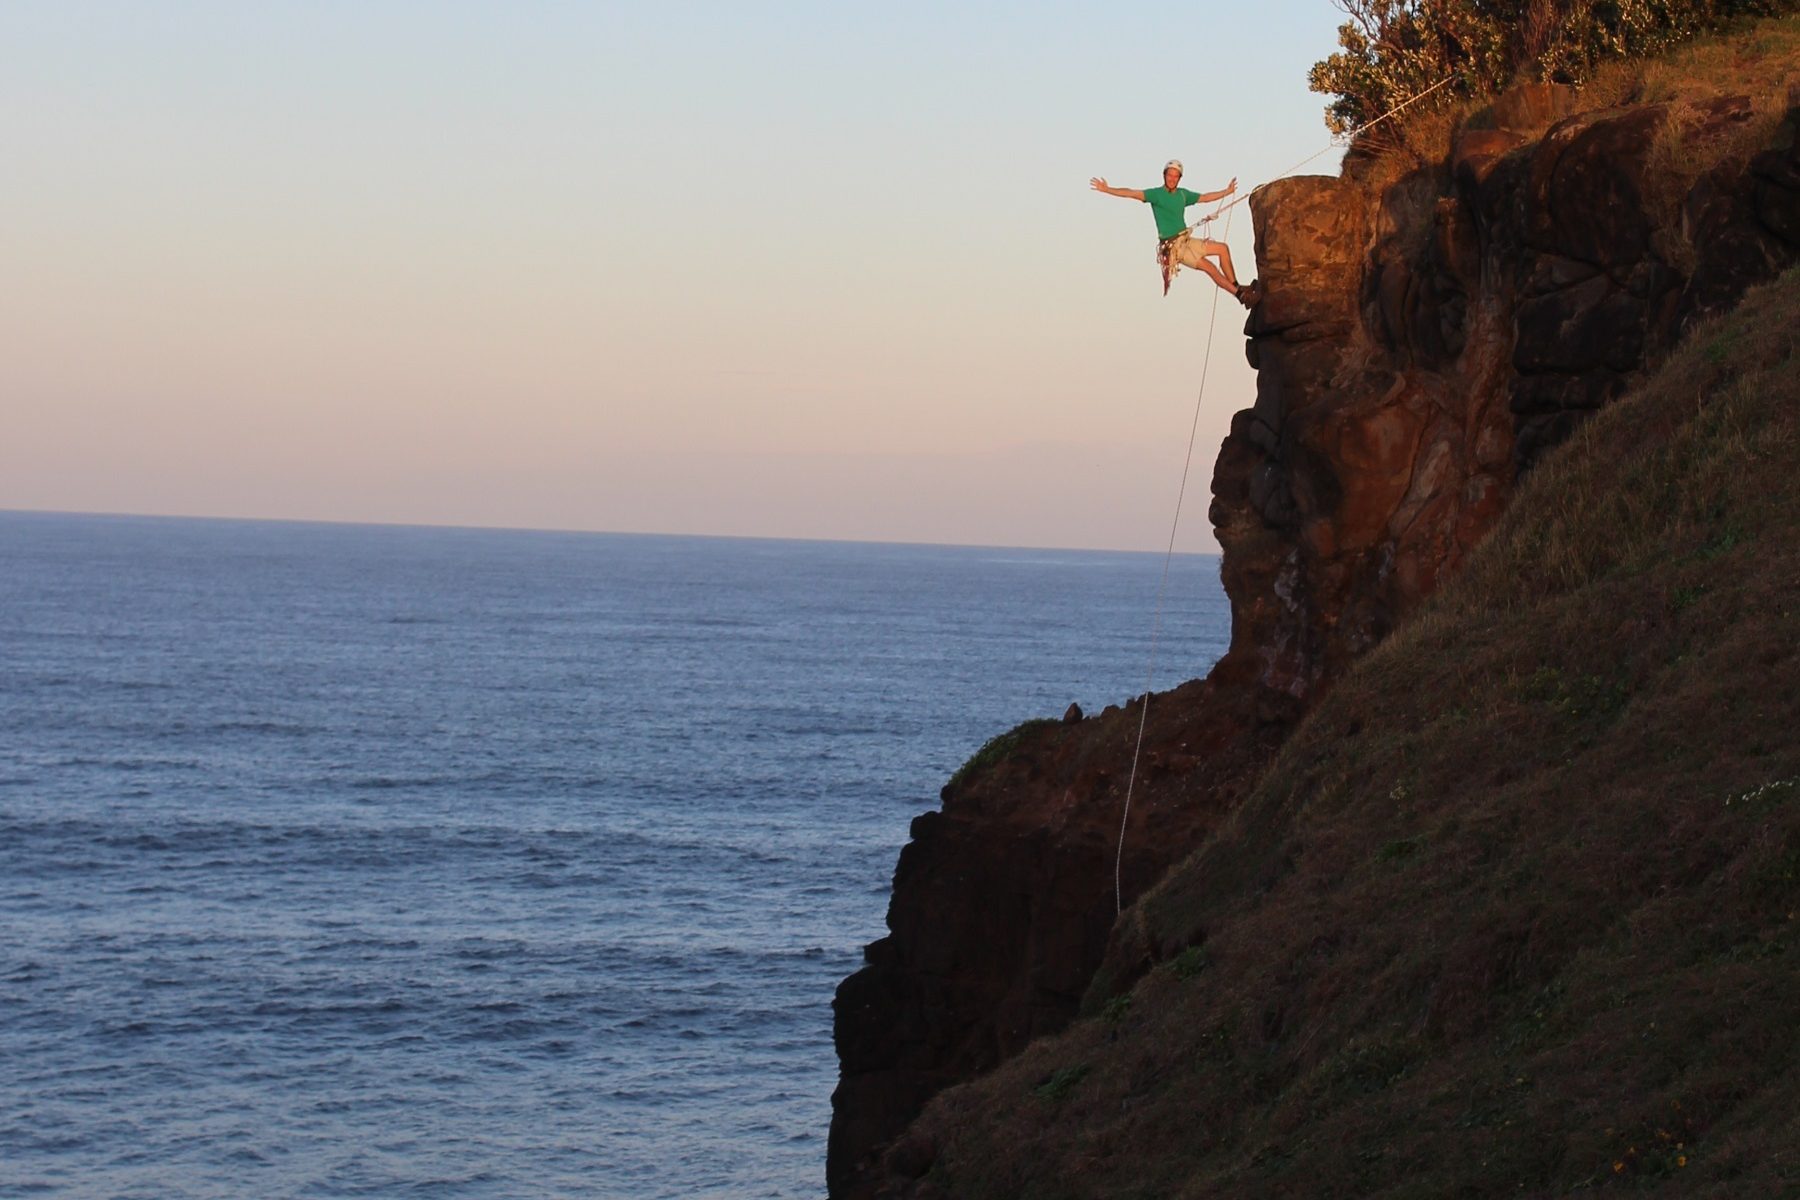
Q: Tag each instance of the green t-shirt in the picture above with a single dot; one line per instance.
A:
(1170, 208)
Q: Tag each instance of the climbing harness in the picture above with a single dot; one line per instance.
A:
(1168, 257)
(1203, 226)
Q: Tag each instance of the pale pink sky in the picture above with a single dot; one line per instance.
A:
(799, 269)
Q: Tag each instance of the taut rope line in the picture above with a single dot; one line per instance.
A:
(1342, 140)
(1187, 464)
(1162, 589)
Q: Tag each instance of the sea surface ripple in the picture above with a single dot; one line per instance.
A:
(368, 861)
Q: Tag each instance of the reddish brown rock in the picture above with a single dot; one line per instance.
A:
(1003, 903)
(1501, 296)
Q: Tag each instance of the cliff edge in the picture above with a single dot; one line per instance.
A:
(1427, 335)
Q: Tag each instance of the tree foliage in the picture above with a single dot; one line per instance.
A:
(1391, 50)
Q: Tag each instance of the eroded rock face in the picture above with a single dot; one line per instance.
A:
(1420, 347)
(1416, 348)
(1004, 900)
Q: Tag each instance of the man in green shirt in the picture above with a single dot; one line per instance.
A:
(1175, 246)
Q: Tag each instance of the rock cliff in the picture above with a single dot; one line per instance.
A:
(1422, 340)
(1421, 343)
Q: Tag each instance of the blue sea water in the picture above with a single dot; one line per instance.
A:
(376, 861)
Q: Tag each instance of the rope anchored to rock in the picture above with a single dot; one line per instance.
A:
(1335, 143)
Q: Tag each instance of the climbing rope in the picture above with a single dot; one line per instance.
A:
(1187, 463)
(1161, 593)
(1337, 142)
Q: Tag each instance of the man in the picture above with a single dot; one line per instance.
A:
(1175, 246)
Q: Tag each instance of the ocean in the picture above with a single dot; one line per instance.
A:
(374, 861)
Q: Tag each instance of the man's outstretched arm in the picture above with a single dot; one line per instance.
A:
(1209, 197)
(1100, 185)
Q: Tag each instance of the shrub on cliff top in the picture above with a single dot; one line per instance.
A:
(1390, 50)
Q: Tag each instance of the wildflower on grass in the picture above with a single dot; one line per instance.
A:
(1757, 793)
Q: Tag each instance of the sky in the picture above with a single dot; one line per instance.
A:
(789, 269)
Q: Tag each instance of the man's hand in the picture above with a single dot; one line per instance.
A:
(1100, 185)
(1209, 197)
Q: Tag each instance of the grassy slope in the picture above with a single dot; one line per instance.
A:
(1517, 910)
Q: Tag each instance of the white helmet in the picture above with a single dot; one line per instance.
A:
(1176, 163)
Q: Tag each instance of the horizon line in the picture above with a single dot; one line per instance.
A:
(585, 532)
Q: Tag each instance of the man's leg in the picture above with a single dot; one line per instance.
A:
(1224, 254)
(1218, 277)
(1249, 295)
(1198, 254)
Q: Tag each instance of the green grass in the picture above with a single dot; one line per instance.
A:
(1189, 963)
(1061, 1082)
(997, 748)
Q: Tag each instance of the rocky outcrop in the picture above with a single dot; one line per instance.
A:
(1004, 899)
(1419, 344)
